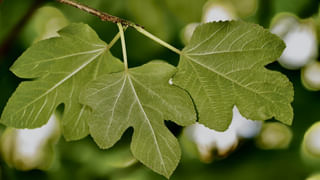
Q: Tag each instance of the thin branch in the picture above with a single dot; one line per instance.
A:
(125, 23)
(102, 15)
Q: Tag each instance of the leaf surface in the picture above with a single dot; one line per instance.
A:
(59, 68)
(141, 98)
(223, 66)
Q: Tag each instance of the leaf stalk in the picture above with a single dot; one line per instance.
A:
(156, 39)
(123, 44)
(117, 20)
(115, 39)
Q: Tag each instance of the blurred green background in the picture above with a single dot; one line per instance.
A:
(25, 22)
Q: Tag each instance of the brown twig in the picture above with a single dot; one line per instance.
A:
(102, 15)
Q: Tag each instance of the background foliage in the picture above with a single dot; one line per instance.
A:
(166, 19)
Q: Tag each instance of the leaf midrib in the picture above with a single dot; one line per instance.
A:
(63, 80)
(155, 93)
(226, 77)
(148, 122)
(224, 52)
(66, 56)
(115, 104)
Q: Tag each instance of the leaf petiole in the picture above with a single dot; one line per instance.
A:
(115, 39)
(123, 44)
(156, 39)
(107, 17)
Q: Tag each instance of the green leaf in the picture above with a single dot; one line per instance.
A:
(59, 68)
(44, 24)
(141, 98)
(223, 66)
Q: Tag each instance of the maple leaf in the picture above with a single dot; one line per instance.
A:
(141, 98)
(58, 68)
(223, 66)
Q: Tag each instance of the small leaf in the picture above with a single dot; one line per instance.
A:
(59, 67)
(141, 98)
(223, 66)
